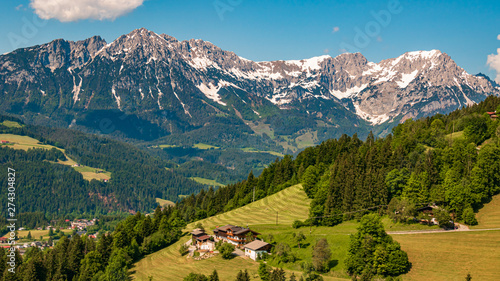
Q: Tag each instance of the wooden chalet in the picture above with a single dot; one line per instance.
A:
(426, 210)
(196, 233)
(202, 240)
(235, 235)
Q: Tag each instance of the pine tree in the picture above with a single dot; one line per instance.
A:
(243, 276)
(277, 275)
(214, 276)
(264, 271)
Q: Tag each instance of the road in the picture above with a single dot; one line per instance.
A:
(461, 229)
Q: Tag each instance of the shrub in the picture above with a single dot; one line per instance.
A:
(226, 250)
(183, 249)
(469, 216)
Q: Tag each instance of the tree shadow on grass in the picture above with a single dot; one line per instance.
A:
(332, 264)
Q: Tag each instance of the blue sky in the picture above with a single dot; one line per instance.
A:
(271, 30)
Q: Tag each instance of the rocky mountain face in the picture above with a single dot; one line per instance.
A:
(151, 85)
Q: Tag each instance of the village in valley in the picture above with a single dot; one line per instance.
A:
(47, 237)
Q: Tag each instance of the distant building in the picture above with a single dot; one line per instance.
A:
(4, 239)
(235, 235)
(493, 115)
(256, 248)
(82, 224)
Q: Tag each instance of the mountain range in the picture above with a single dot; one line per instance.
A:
(152, 87)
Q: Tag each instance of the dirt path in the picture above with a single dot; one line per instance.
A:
(461, 228)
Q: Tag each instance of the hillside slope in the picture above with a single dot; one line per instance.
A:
(287, 205)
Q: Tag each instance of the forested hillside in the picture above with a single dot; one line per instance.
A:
(452, 160)
(55, 189)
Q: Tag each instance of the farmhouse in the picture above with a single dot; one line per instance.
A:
(235, 235)
(202, 240)
(256, 248)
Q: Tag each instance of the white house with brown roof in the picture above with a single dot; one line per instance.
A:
(256, 248)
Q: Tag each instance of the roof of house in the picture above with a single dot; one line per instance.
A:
(204, 237)
(236, 230)
(197, 232)
(256, 245)
(491, 113)
(224, 228)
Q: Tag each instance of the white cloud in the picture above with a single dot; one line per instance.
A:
(19, 7)
(498, 37)
(326, 51)
(335, 29)
(494, 63)
(66, 10)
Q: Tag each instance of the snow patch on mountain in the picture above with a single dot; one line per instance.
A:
(183, 105)
(313, 63)
(117, 98)
(406, 79)
(348, 92)
(76, 89)
(211, 92)
(373, 119)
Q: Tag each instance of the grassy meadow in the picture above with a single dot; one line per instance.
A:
(25, 143)
(434, 256)
(35, 234)
(206, 181)
(11, 124)
(164, 202)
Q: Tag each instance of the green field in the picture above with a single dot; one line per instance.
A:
(435, 256)
(456, 135)
(206, 181)
(264, 211)
(307, 139)
(164, 202)
(251, 149)
(35, 234)
(90, 173)
(25, 143)
(205, 146)
(261, 128)
(11, 124)
(167, 146)
(450, 256)
(489, 215)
